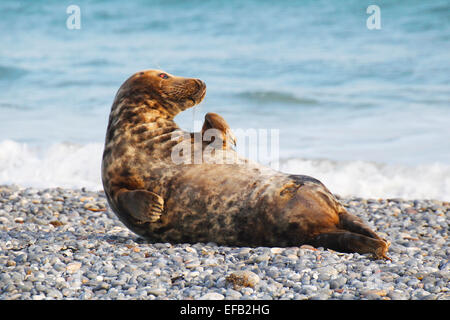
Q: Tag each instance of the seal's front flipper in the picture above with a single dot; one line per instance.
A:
(214, 121)
(142, 205)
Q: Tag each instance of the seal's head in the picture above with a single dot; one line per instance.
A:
(170, 94)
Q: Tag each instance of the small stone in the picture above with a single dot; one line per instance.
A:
(308, 289)
(429, 297)
(59, 267)
(276, 250)
(376, 292)
(244, 251)
(397, 295)
(273, 272)
(10, 263)
(67, 292)
(9, 288)
(38, 297)
(325, 273)
(56, 223)
(338, 282)
(19, 295)
(261, 258)
(410, 211)
(308, 247)
(292, 257)
(101, 286)
(348, 296)
(73, 267)
(413, 282)
(233, 294)
(86, 295)
(21, 258)
(25, 286)
(156, 291)
(191, 250)
(84, 199)
(192, 264)
(243, 279)
(320, 296)
(53, 293)
(212, 296)
(247, 291)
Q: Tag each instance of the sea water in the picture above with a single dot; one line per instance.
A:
(366, 111)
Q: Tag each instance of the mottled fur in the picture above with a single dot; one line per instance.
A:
(238, 203)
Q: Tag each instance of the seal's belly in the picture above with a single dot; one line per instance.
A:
(219, 203)
(238, 203)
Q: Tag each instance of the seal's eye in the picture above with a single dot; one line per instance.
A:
(163, 75)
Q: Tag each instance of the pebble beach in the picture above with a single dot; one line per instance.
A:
(67, 244)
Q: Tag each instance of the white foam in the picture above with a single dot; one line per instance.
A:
(376, 180)
(64, 165)
(75, 166)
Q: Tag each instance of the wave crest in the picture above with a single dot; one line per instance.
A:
(376, 180)
(64, 165)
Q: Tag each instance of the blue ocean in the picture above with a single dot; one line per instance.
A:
(365, 110)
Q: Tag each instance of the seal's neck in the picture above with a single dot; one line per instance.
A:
(145, 110)
(134, 118)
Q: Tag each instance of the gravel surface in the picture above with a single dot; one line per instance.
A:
(66, 244)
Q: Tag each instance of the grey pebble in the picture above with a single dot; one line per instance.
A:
(398, 295)
(21, 258)
(320, 297)
(156, 291)
(59, 267)
(25, 286)
(325, 273)
(429, 297)
(232, 294)
(338, 282)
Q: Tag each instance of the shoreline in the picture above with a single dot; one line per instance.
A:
(66, 244)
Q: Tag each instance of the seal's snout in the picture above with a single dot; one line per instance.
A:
(201, 90)
(200, 84)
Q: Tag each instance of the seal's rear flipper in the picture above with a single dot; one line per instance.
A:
(214, 121)
(345, 241)
(354, 224)
(142, 205)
